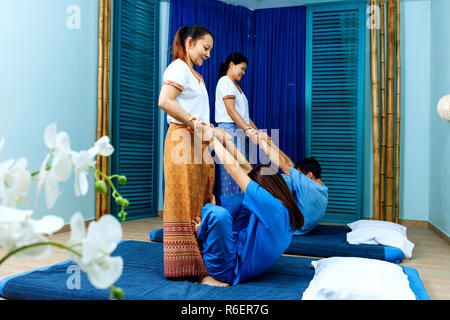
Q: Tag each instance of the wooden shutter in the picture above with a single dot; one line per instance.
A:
(134, 116)
(335, 104)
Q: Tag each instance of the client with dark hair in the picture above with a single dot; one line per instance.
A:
(243, 239)
(310, 167)
(305, 182)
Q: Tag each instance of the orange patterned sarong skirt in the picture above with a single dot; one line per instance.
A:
(189, 182)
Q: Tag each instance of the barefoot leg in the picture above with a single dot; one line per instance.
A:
(210, 281)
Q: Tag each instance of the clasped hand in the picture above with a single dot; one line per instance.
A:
(256, 136)
(206, 132)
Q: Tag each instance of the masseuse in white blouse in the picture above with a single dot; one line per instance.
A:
(232, 113)
(188, 181)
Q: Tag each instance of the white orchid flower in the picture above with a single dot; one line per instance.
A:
(61, 169)
(8, 215)
(102, 147)
(12, 172)
(56, 140)
(82, 161)
(18, 191)
(14, 182)
(61, 165)
(101, 240)
(4, 167)
(17, 229)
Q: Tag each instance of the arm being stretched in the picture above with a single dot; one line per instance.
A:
(256, 136)
(276, 156)
(232, 149)
(282, 154)
(232, 166)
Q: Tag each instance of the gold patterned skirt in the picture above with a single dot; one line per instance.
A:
(189, 182)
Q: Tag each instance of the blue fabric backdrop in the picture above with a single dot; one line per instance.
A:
(273, 40)
(278, 78)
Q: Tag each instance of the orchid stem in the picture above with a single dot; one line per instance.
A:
(107, 179)
(50, 243)
(115, 193)
(37, 172)
(42, 243)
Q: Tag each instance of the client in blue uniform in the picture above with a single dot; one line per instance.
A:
(309, 192)
(304, 180)
(245, 238)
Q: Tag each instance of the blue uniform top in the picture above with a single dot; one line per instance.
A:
(267, 235)
(311, 198)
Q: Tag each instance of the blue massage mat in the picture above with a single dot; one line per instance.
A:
(143, 279)
(328, 241)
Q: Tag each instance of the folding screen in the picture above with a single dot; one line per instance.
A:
(335, 52)
(135, 103)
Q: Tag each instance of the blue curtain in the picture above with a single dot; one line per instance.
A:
(277, 95)
(274, 42)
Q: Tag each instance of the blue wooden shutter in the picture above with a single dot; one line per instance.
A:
(134, 111)
(335, 104)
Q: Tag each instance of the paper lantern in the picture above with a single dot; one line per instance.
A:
(443, 107)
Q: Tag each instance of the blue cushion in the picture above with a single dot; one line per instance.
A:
(329, 241)
(143, 279)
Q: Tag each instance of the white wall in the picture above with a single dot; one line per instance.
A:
(415, 135)
(439, 172)
(48, 73)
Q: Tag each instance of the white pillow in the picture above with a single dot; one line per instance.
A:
(376, 223)
(347, 278)
(380, 232)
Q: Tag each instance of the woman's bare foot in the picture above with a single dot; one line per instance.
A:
(196, 224)
(210, 281)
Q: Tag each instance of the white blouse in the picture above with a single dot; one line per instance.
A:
(193, 97)
(226, 88)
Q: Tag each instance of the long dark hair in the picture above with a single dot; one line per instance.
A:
(234, 57)
(195, 31)
(276, 185)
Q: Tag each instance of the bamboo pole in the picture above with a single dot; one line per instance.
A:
(101, 7)
(105, 96)
(108, 89)
(104, 45)
(383, 106)
(375, 111)
(104, 99)
(398, 118)
(390, 109)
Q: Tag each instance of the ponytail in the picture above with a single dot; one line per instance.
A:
(234, 57)
(224, 67)
(178, 49)
(195, 31)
